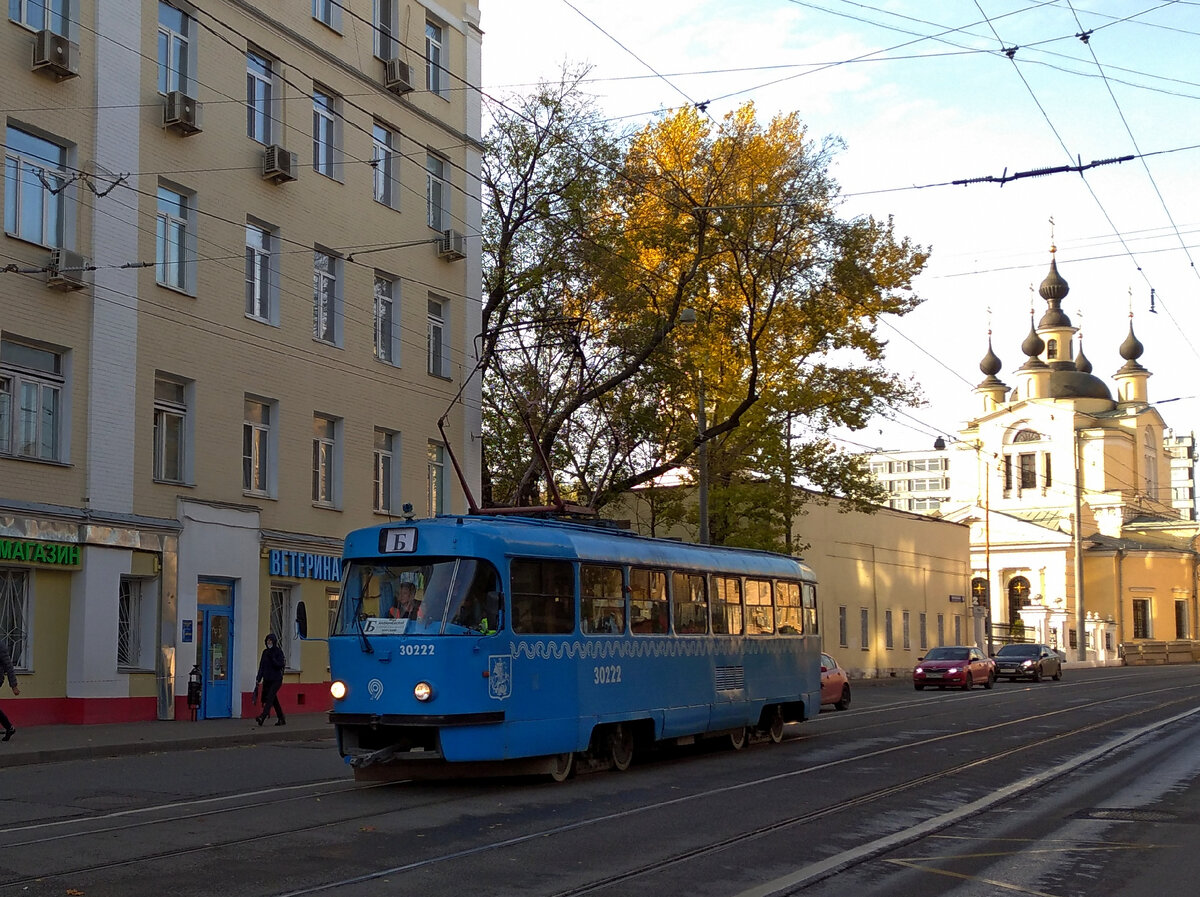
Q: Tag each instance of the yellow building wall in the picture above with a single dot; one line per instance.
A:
(886, 561)
(51, 591)
(1113, 581)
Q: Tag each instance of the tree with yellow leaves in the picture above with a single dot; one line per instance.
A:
(713, 262)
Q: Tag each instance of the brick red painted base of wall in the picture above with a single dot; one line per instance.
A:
(308, 697)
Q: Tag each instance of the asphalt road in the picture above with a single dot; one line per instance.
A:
(1084, 786)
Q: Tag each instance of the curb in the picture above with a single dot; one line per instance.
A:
(35, 756)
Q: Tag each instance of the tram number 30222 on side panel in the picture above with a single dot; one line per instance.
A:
(606, 675)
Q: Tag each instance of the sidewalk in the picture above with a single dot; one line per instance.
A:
(55, 744)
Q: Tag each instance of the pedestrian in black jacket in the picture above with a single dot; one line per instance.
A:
(270, 674)
(7, 672)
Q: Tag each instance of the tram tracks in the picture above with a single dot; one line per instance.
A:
(629, 874)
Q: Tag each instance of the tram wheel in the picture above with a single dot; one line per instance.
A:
(620, 747)
(739, 738)
(564, 767)
(775, 729)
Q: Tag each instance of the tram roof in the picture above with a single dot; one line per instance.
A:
(482, 536)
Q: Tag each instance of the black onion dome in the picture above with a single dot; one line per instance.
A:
(1054, 289)
(991, 364)
(1081, 362)
(1132, 348)
(1033, 345)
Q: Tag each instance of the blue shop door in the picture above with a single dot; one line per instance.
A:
(217, 625)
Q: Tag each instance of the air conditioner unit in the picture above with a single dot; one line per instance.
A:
(451, 246)
(55, 54)
(396, 76)
(65, 270)
(279, 165)
(182, 113)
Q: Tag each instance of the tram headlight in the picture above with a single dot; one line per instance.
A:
(338, 689)
(423, 691)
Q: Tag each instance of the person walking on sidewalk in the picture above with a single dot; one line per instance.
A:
(7, 672)
(270, 674)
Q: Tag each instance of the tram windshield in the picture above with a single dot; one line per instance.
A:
(452, 596)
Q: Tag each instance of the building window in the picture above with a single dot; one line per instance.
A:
(385, 163)
(1182, 628)
(889, 640)
(436, 192)
(328, 12)
(1051, 349)
(941, 629)
(958, 635)
(925, 504)
(260, 92)
(39, 15)
(173, 239)
(436, 479)
(281, 616)
(1007, 465)
(387, 334)
(1028, 466)
(256, 447)
(385, 472)
(1141, 618)
(923, 634)
(864, 632)
(170, 430)
(1048, 469)
(129, 619)
(261, 279)
(435, 61)
(906, 638)
(436, 343)
(332, 598)
(31, 393)
(324, 460)
(35, 184)
(927, 484)
(843, 628)
(14, 615)
(387, 26)
(325, 134)
(327, 313)
(174, 49)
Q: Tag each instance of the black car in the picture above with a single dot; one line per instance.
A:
(1021, 661)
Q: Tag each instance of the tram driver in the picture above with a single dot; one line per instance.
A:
(406, 606)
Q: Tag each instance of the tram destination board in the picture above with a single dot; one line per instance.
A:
(402, 540)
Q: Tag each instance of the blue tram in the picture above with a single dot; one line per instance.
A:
(520, 644)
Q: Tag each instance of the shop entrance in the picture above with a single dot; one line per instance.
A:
(214, 600)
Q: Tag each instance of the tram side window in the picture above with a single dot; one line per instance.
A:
(788, 611)
(543, 596)
(647, 601)
(727, 605)
(691, 603)
(760, 612)
(809, 591)
(601, 600)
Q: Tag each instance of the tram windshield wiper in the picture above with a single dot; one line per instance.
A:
(362, 635)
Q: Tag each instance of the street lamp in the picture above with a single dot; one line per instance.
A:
(688, 316)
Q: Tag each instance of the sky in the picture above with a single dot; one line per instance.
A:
(926, 92)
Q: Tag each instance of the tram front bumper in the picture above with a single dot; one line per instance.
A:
(367, 739)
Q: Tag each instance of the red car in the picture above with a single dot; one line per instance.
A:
(835, 684)
(955, 666)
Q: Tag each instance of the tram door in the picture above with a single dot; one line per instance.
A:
(215, 622)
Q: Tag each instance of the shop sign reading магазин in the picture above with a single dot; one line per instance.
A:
(57, 554)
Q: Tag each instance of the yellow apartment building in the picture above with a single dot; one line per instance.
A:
(240, 279)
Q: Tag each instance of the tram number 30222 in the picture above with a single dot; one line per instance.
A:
(606, 675)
